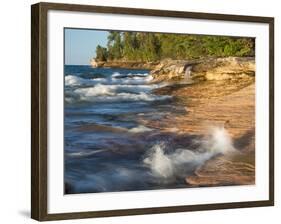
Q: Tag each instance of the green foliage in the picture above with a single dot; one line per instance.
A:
(138, 46)
(101, 53)
(114, 45)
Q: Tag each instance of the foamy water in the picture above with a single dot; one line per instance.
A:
(169, 165)
(115, 87)
(109, 144)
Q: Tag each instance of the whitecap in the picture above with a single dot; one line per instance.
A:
(71, 80)
(99, 79)
(117, 74)
(97, 90)
(169, 165)
(135, 97)
(132, 80)
(140, 129)
(102, 92)
(84, 153)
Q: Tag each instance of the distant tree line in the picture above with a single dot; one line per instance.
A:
(139, 46)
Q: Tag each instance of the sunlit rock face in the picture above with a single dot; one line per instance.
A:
(205, 69)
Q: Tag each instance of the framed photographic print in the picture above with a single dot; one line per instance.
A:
(139, 111)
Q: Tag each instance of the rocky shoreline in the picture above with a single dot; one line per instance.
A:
(204, 69)
(222, 95)
(124, 64)
(218, 92)
(226, 103)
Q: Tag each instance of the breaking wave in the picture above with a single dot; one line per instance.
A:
(117, 87)
(180, 161)
(117, 74)
(107, 94)
(116, 78)
(140, 129)
(84, 153)
(71, 80)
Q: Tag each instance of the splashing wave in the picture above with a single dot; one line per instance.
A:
(179, 162)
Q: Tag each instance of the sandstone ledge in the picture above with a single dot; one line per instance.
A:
(227, 103)
(205, 69)
(226, 68)
(223, 171)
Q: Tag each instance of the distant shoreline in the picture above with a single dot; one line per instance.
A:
(124, 64)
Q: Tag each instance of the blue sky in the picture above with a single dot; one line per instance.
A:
(80, 45)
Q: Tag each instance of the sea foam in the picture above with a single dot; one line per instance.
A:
(71, 80)
(114, 88)
(102, 92)
(177, 163)
(140, 129)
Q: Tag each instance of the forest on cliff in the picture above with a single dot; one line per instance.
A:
(146, 47)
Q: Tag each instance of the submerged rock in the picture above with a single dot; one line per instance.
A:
(223, 171)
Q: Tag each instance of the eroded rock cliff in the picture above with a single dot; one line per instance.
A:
(204, 69)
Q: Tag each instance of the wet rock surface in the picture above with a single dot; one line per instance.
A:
(220, 92)
(228, 103)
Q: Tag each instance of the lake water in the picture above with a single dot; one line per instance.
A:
(107, 147)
